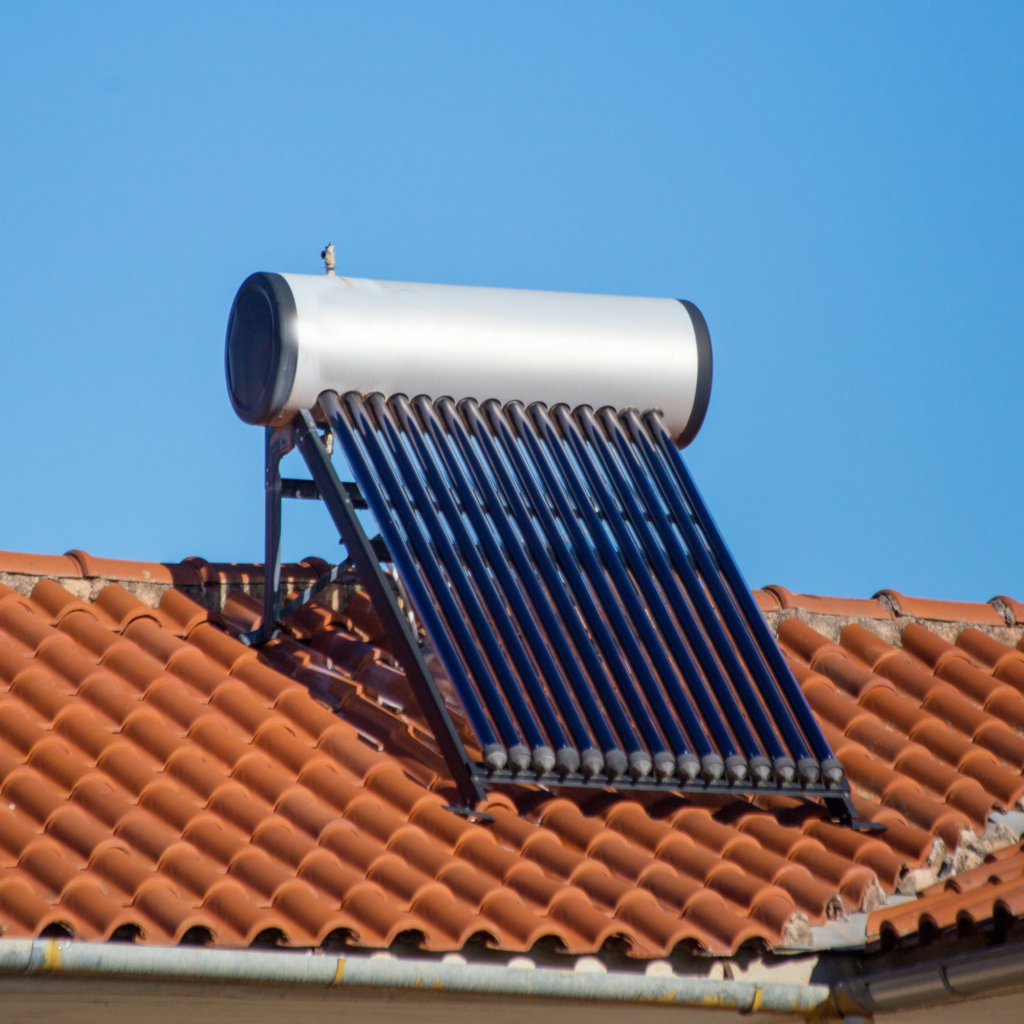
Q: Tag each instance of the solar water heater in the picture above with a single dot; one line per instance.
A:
(520, 455)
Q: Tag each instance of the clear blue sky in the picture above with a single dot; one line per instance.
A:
(837, 186)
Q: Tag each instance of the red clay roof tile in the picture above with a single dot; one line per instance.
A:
(942, 611)
(166, 779)
(851, 607)
(766, 600)
(58, 566)
(965, 731)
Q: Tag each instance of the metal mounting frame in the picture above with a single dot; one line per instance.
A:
(363, 563)
(278, 442)
(835, 797)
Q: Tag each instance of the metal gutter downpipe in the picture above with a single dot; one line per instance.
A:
(115, 961)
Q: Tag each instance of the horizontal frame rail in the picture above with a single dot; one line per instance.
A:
(307, 490)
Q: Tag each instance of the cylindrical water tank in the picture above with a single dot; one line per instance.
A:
(291, 337)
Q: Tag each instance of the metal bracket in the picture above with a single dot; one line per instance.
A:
(307, 489)
(842, 811)
(329, 577)
(279, 441)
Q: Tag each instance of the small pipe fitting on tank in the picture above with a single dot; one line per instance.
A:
(328, 257)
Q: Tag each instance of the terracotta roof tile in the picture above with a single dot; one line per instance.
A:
(214, 793)
(889, 604)
(119, 569)
(766, 600)
(39, 565)
(162, 779)
(942, 611)
(846, 606)
(191, 572)
(198, 572)
(949, 725)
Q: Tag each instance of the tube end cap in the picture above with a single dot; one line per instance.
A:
(591, 762)
(519, 759)
(615, 763)
(567, 761)
(495, 757)
(543, 760)
(640, 764)
(712, 767)
(808, 771)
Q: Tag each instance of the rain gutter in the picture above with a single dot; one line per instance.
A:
(110, 961)
(987, 973)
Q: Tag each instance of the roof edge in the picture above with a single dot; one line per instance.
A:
(197, 572)
(121, 962)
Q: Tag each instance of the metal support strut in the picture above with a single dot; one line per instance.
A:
(403, 644)
(278, 443)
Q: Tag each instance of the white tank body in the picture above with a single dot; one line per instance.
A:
(292, 336)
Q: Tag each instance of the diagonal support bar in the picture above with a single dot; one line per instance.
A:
(268, 630)
(307, 595)
(405, 646)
